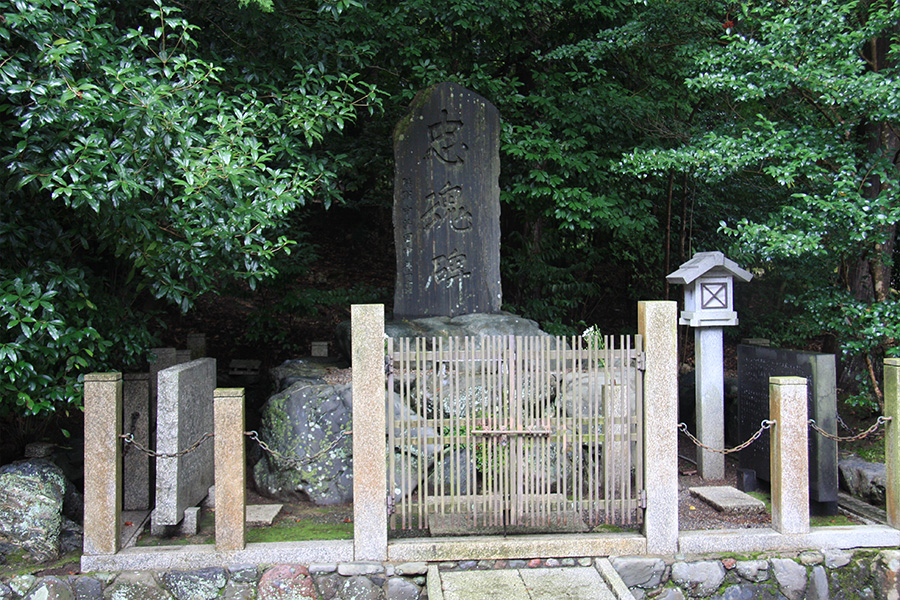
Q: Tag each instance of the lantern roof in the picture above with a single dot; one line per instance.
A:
(707, 263)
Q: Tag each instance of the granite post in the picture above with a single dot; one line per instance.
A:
(136, 421)
(710, 400)
(230, 469)
(102, 462)
(657, 325)
(790, 456)
(369, 442)
(892, 440)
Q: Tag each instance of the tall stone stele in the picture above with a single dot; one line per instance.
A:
(447, 205)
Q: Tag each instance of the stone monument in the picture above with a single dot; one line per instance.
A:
(447, 205)
(756, 364)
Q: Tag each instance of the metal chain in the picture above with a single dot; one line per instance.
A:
(293, 461)
(841, 422)
(766, 424)
(134, 419)
(852, 438)
(129, 439)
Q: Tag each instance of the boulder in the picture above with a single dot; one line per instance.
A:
(307, 418)
(300, 422)
(31, 501)
(302, 370)
(862, 479)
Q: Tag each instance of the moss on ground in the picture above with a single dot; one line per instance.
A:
(301, 530)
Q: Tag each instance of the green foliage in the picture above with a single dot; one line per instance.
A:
(803, 99)
(143, 167)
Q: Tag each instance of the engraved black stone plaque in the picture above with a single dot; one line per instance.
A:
(447, 205)
(755, 365)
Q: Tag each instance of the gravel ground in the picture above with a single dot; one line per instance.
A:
(694, 513)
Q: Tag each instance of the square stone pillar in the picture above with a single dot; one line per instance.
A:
(102, 462)
(709, 372)
(789, 457)
(230, 468)
(892, 440)
(369, 441)
(657, 326)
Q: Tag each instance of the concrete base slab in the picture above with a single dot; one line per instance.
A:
(526, 546)
(577, 583)
(133, 523)
(725, 498)
(573, 583)
(169, 558)
(464, 524)
(262, 514)
(765, 539)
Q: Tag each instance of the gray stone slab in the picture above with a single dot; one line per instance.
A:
(483, 585)
(447, 205)
(571, 583)
(262, 514)
(725, 498)
(574, 583)
(870, 514)
(185, 415)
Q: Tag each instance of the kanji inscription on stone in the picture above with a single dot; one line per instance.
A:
(447, 205)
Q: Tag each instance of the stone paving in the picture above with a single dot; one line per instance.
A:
(572, 583)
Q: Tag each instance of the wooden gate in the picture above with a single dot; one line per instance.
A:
(514, 434)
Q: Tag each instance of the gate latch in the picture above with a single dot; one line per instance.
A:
(640, 362)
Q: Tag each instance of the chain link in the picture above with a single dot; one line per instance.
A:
(766, 424)
(841, 422)
(293, 461)
(852, 438)
(129, 440)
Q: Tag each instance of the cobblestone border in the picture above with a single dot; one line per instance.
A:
(818, 575)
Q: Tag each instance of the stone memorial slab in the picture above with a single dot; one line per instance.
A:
(185, 414)
(447, 205)
(755, 365)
